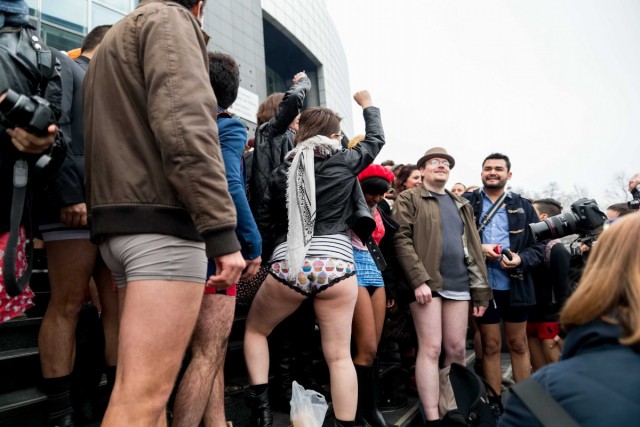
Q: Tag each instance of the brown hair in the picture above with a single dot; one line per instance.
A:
(610, 284)
(269, 107)
(402, 175)
(317, 121)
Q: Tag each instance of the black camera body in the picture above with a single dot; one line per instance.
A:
(635, 203)
(585, 219)
(31, 113)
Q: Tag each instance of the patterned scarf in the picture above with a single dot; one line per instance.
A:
(301, 196)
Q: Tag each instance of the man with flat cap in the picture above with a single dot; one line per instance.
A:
(439, 251)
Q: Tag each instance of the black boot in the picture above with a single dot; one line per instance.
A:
(258, 402)
(339, 423)
(367, 396)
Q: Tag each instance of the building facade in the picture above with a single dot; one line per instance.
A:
(271, 40)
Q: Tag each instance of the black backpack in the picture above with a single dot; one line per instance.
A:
(471, 400)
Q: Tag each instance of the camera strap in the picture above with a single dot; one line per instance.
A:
(491, 212)
(15, 285)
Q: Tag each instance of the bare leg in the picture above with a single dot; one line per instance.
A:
(379, 304)
(214, 413)
(272, 304)
(364, 329)
(551, 350)
(208, 348)
(109, 313)
(538, 359)
(70, 266)
(334, 310)
(454, 330)
(516, 336)
(157, 322)
(491, 344)
(427, 319)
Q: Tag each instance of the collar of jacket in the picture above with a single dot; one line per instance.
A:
(206, 36)
(593, 336)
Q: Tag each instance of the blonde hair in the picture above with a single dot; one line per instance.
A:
(355, 141)
(610, 285)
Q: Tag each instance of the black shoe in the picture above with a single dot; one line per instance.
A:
(63, 421)
(367, 396)
(261, 415)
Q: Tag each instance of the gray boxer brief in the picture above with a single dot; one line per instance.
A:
(137, 257)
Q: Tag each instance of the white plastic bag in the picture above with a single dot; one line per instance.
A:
(308, 407)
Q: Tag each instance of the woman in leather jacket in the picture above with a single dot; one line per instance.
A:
(306, 212)
(277, 121)
(371, 305)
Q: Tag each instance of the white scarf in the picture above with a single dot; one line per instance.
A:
(301, 197)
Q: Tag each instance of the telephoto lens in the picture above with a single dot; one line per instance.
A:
(555, 227)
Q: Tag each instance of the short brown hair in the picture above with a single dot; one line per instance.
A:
(610, 284)
(317, 121)
(269, 107)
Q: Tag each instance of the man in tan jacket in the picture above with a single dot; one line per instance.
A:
(440, 254)
(157, 193)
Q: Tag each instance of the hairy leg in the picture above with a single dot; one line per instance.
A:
(70, 264)
(157, 321)
(455, 315)
(208, 349)
(334, 310)
(427, 319)
(273, 303)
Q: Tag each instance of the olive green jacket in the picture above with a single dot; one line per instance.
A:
(418, 243)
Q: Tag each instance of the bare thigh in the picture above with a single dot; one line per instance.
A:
(271, 305)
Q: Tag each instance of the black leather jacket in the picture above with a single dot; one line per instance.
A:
(274, 140)
(25, 74)
(340, 203)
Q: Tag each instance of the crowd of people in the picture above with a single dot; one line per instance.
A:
(149, 188)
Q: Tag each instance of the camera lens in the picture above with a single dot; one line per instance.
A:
(555, 227)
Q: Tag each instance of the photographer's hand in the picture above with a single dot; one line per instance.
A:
(74, 215)
(634, 181)
(29, 143)
(513, 263)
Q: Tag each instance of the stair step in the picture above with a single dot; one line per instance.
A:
(20, 398)
(17, 353)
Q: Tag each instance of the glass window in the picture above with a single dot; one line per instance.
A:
(100, 15)
(33, 5)
(121, 5)
(59, 38)
(71, 14)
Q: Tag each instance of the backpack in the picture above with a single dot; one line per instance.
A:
(463, 398)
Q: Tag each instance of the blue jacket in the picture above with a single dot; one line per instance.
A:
(520, 214)
(596, 382)
(233, 139)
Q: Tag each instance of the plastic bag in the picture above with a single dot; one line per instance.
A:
(308, 407)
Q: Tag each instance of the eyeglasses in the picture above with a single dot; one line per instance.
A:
(436, 162)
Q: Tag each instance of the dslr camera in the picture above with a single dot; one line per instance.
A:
(585, 219)
(635, 203)
(30, 113)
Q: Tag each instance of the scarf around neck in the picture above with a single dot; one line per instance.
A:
(301, 196)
